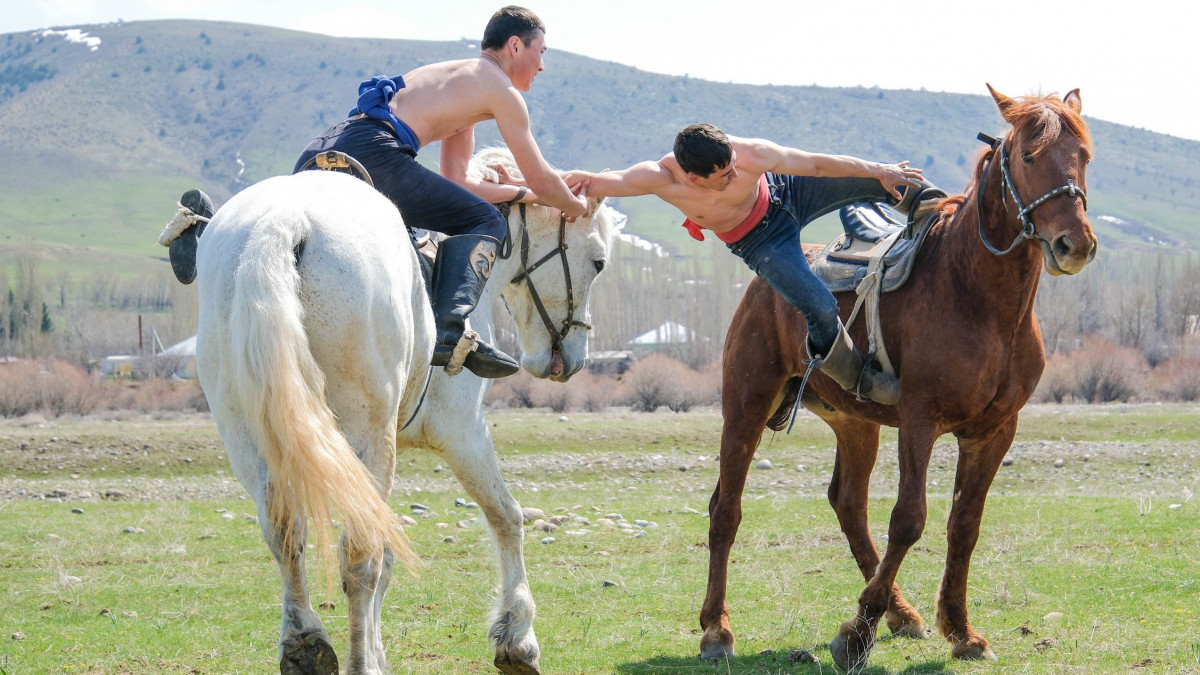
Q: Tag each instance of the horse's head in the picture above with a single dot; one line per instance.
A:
(548, 274)
(1044, 163)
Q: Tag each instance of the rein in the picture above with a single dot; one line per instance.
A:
(1028, 229)
(556, 335)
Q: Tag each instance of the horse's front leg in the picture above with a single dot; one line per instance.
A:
(849, 488)
(473, 460)
(856, 637)
(978, 461)
(750, 395)
(725, 516)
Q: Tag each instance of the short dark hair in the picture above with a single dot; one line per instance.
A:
(509, 21)
(702, 149)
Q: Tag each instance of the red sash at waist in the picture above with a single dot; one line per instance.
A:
(755, 217)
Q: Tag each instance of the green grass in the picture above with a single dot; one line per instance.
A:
(1117, 562)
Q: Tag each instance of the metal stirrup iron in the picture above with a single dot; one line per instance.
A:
(468, 343)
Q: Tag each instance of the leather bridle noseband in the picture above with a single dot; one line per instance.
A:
(1028, 231)
(556, 335)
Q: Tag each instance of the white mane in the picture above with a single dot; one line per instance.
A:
(489, 163)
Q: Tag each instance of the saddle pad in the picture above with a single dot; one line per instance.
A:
(842, 264)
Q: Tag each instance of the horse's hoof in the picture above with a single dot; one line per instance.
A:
(716, 644)
(715, 652)
(850, 654)
(310, 654)
(974, 653)
(509, 665)
(915, 631)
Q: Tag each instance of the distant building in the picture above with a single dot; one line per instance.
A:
(670, 333)
(178, 360)
(610, 362)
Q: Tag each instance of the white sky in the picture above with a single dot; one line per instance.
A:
(1134, 63)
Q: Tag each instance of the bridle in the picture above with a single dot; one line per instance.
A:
(556, 335)
(1028, 230)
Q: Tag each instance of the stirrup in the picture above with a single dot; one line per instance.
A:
(468, 343)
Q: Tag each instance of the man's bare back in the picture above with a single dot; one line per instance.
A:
(442, 99)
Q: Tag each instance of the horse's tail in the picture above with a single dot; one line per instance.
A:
(313, 469)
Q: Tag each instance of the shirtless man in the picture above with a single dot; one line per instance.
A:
(443, 102)
(756, 196)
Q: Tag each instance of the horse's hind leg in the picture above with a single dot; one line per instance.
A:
(473, 460)
(366, 411)
(978, 460)
(304, 646)
(857, 451)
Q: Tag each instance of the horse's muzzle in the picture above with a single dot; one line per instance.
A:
(1069, 255)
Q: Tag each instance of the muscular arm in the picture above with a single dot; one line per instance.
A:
(768, 156)
(456, 157)
(512, 117)
(644, 178)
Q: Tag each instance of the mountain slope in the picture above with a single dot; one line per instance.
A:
(100, 139)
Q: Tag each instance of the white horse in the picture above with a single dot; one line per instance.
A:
(452, 424)
(313, 350)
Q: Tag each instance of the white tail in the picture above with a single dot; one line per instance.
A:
(313, 469)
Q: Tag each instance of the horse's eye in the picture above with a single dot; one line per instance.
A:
(1027, 158)
(599, 265)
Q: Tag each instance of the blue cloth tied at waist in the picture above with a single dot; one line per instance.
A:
(373, 98)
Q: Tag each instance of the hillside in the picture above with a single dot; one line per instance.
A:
(101, 137)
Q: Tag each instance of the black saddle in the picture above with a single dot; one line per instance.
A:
(872, 230)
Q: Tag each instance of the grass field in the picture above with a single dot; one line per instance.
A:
(1088, 567)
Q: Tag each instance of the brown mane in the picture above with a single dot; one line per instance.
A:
(1042, 118)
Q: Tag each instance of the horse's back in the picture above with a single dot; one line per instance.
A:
(364, 309)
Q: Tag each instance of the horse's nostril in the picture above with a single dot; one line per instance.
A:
(1062, 246)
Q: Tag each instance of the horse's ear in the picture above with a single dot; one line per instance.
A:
(1004, 103)
(1072, 99)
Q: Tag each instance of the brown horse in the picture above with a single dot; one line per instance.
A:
(966, 346)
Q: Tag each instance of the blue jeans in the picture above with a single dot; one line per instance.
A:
(772, 249)
(426, 199)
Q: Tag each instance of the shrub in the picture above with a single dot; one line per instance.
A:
(659, 380)
(17, 396)
(521, 390)
(55, 388)
(594, 393)
(67, 390)
(553, 395)
(155, 396)
(1178, 379)
(1058, 380)
(1105, 372)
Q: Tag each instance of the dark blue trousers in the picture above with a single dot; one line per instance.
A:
(426, 199)
(772, 248)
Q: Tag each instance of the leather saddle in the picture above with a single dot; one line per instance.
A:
(873, 231)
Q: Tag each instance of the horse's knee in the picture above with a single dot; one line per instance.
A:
(906, 530)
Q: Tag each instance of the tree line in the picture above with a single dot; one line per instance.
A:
(1146, 303)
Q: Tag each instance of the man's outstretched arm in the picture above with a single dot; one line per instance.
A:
(644, 178)
(780, 159)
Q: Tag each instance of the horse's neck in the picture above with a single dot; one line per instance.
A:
(1009, 281)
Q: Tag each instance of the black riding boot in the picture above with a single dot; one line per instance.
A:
(847, 366)
(183, 248)
(464, 263)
